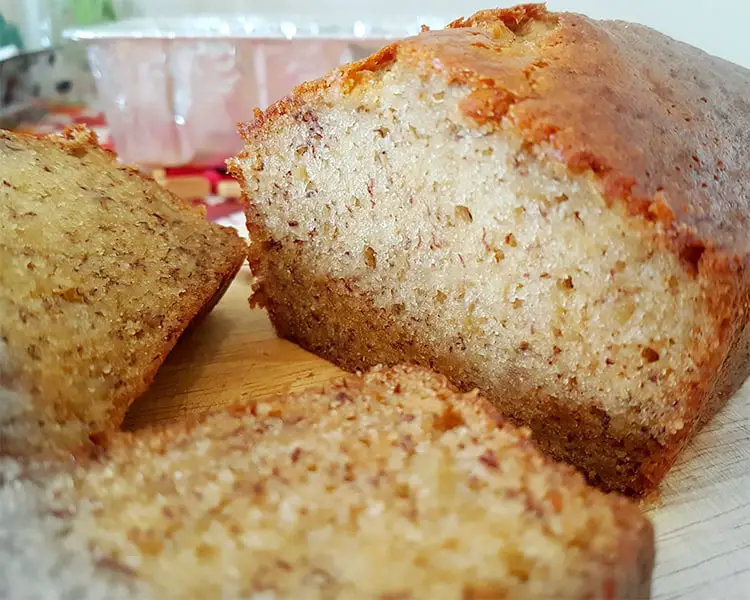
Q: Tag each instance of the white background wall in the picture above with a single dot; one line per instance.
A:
(719, 27)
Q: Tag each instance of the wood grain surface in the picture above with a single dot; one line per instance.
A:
(701, 513)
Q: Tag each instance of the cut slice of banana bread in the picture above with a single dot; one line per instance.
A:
(549, 208)
(389, 485)
(100, 271)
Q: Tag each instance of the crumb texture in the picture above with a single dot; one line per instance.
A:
(485, 200)
(100, 271)
(391, 485)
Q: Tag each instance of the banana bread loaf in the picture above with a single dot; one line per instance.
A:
(550, 208)
(389, 485)
(101, 270)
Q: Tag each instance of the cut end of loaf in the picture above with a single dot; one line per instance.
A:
(386, 485)
(389, 223)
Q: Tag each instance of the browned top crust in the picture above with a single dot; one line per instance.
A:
(662, 126)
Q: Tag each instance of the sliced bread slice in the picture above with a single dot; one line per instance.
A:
(389, 485)
(101, 270)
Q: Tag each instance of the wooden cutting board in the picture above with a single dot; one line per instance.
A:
(701, 513)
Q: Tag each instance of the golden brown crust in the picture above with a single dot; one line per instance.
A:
(110, 202)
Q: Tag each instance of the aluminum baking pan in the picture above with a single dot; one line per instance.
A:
(173, 89)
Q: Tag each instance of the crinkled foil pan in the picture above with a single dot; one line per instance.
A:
(173, 90)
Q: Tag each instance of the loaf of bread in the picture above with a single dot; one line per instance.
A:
(389, 485)
(550, 208)
(101, 270)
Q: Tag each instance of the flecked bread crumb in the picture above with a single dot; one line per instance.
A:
(390, 485)
(101, 270)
